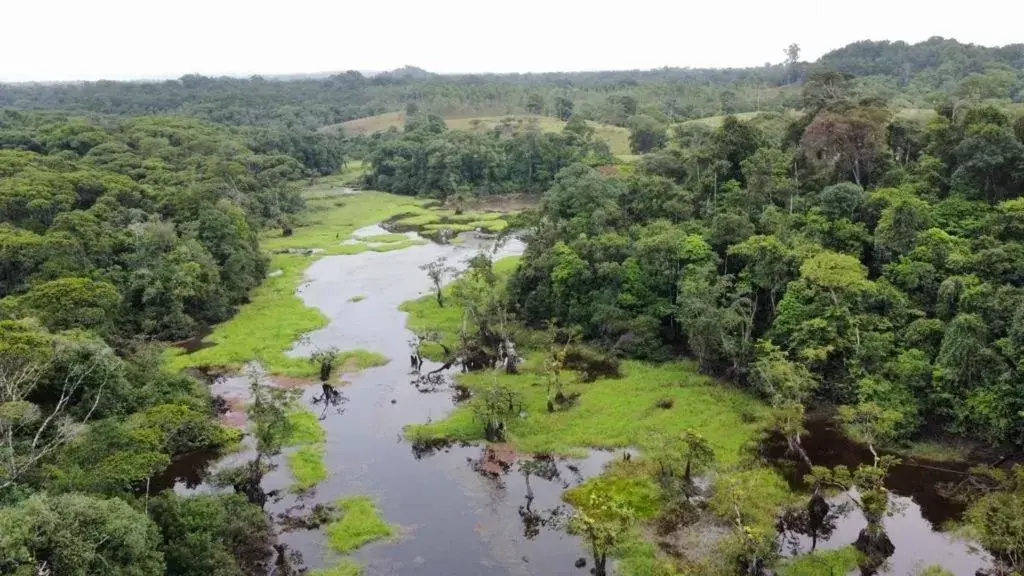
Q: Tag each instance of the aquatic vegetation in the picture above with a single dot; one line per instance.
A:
(304, 428)
(615, 412)
(307, 466)
(821, 563)
(275, 316)
(360, 523)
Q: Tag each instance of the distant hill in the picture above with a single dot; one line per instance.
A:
(945, 59)
(407, 73)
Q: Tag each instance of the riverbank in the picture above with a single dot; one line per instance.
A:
(751, 483)
(267, 328)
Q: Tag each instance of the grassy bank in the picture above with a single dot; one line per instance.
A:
(646, 403)
(276, 317)
(360, 524)
(306, 462)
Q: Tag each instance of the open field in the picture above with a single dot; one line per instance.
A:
(616, 137)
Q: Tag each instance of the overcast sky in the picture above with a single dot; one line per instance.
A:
(125, 39)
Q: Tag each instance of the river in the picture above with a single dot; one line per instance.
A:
(456, 521)
(453, 519)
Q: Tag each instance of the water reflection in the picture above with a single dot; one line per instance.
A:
(911, 535)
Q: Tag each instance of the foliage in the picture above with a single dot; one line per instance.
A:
(307, 466)
(822, 562)
(78, 534)
(276, 317)
(222, 535)
(359, 524)
(997, 518)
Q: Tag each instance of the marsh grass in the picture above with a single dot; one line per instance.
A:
(275, 316)
(838, 562)
(307, 466)
(360, 523)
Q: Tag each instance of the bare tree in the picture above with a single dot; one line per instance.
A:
(28, 431)
(438, 271)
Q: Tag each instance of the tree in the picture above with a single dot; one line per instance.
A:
(850, 142)
(535, 104)
(604, 522)
(438, 271)
(29, 431)
(563, 107)
(997, 517)
(78, 534)
(494, 407)
(325, 358)
(646, 134)
(826, 89)
(792, 53)
(73, 302)
(212, 534)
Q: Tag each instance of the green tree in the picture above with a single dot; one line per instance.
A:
(77, 534)
(646, 134)
(563, 107)
(603, 522)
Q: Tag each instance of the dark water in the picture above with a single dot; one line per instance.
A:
(454, 519)
(196, 342)
(920, 507)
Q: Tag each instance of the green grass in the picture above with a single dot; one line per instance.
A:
(344, 568)
(426, 315)
(935, 450)
(616, 136)
(275, 317)
(611, 413)
(614, 413)
(307, 466)
(357, 298)
(359, 524)
(839, 562)
(305, 428)
(307, 462)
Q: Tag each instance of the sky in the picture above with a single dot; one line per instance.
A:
(60, 40)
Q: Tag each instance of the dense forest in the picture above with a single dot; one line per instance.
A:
(913, 75)
(828, 251)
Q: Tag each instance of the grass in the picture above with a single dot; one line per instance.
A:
(614, 413)
(936, 450)
(305, 428)
(307, 466)
(307, 462)
(276, 317)
(359, 524)
(838, 562)
(426, 315)
(616, 136)
(611, 413)
(344, 568)
(357, 298)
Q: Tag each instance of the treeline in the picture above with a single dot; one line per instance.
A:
(115, 232)
(849, 257)
(428, 159)
(918, 75)
(142, 227)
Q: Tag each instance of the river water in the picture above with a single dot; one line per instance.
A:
(921, 511)
(453, 519)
